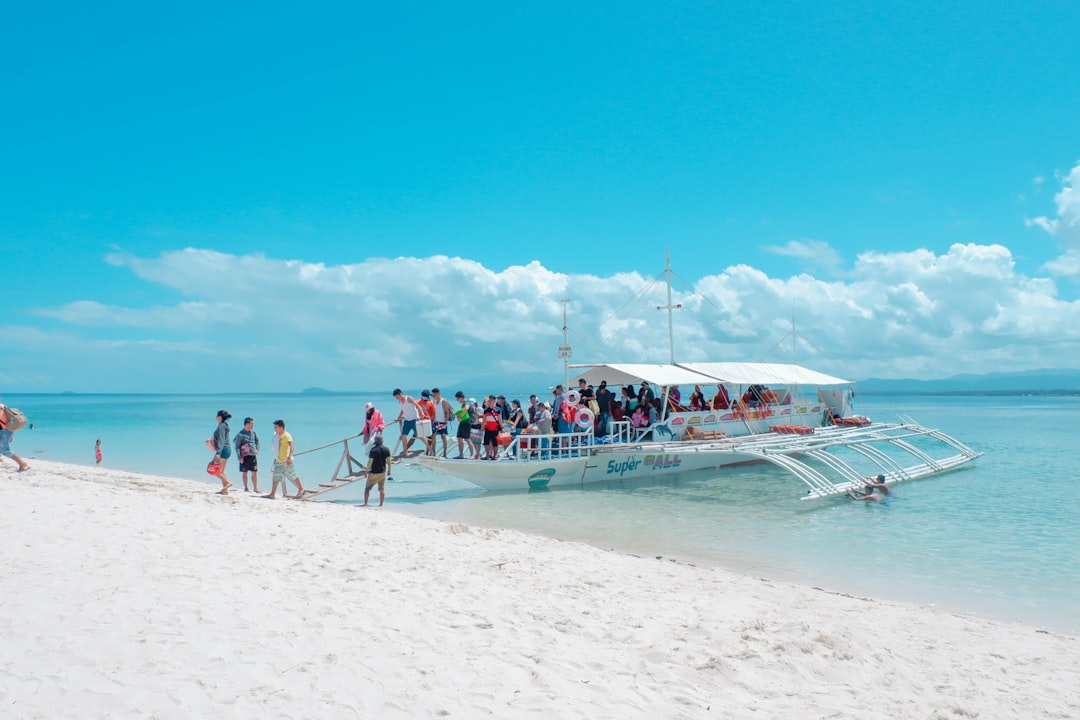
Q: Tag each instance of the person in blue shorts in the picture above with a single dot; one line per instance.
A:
(5, 445)
(410, 413)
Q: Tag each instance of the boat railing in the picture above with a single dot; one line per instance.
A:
(551, 446)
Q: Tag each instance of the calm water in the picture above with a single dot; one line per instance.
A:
(999, 538)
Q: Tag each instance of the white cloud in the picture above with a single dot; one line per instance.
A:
(812, 254)
(1065, 226)
(253, 323)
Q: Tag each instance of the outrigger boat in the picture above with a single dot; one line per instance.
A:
(793, 417)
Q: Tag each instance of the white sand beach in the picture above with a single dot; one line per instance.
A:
(129, 595)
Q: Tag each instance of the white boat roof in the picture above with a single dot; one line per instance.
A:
(740, 373)
(709, 373)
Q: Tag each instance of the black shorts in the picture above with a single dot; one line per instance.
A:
(464, 431)
(249, 463)
(491, 437)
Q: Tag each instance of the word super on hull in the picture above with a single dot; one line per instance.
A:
(602, 464)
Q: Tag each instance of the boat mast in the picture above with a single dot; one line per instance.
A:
(669, 307)
(565, 352)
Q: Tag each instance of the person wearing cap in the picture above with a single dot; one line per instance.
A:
(534, 407)
(502, 407)
(377, 470)
(374, 424)
(246, 443)
(427, 412)
(465, 418)
(440, 419)
(492, 426)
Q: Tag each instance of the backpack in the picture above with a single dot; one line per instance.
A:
(13, 419)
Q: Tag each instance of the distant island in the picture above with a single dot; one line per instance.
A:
(1027, 382)
(323, 392)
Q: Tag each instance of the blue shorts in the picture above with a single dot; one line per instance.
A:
(225, 453)
(5, 442)
(407, 427)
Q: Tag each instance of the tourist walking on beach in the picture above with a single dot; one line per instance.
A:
(97, 452)
(374, 424)
(378, 469)
(222, 451)
(410, 413)
(284, 470)
(247, 447)
(6, 436)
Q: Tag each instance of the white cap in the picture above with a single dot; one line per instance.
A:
(472, 401)
(368, 406)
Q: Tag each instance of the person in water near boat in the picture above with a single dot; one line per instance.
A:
(877, 483)
(866, 495)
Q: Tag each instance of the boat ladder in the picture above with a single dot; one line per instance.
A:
(354, 469)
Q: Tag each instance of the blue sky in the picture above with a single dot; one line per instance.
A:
(181, 185)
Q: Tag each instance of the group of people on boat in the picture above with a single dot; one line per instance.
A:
(487, 426)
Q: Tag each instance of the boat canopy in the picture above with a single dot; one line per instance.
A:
(710, 373)
(740, 373)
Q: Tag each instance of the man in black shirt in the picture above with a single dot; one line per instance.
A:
(378, 468)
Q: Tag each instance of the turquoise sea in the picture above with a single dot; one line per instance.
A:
(998, 538)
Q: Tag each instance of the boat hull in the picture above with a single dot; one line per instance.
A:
(892, 451)
(602, 464)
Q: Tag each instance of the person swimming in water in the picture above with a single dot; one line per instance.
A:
(867, 494)
(877, 483)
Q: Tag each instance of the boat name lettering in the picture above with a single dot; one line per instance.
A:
(614, 467)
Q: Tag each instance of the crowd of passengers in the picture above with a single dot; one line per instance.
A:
(486, 427)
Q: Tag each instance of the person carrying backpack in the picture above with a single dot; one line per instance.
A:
(247, 448)
(6, 437)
